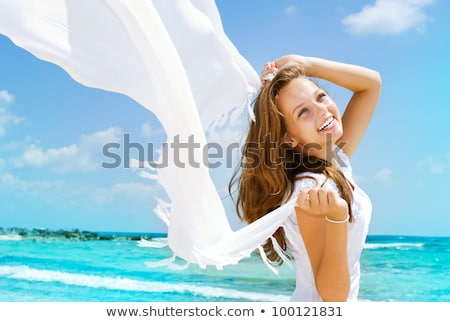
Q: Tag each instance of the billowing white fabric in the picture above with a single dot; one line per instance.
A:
(173, 58)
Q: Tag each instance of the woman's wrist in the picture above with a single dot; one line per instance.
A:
(338, 216)
(290, 59)
(337, 220)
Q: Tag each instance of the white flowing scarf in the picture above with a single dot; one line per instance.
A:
(173, 58)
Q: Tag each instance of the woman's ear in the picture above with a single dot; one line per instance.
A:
(290, 140)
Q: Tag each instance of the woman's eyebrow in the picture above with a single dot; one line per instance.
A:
(299, 106)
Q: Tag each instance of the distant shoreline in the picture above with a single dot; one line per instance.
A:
(71, 234)
(17, 233)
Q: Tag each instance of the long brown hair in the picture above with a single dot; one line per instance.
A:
(269, 167)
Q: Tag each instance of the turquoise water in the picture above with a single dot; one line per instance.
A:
(394, 268)
(400, 268)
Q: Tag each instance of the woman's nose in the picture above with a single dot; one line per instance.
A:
(321, 109)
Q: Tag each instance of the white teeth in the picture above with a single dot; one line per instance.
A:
(327, 123)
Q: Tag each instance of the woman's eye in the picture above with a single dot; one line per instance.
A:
(321, 96)
(302, 111)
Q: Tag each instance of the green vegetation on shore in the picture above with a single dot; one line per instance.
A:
(72, 234)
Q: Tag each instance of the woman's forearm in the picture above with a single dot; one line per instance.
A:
(353, 77)
(333, 277)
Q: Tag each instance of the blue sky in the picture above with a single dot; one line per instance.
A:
(52, 129)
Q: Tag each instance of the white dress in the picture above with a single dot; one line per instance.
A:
(305, 290)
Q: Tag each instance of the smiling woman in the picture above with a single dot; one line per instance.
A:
(327, 229)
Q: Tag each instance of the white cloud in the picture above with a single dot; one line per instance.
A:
(151, 132)
(75, 157)
(290, 11)
(6, 117)
(388, 17)
(437, 169)
(132, 188)
(384, 175)
(119, 192)
(435, 165)
(80, 195)
(146, 130)
(6, 97)
(15, 185)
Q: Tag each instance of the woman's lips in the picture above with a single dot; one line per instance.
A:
(328, 124)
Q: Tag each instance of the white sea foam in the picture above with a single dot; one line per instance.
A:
(154, 243)
(27, 273)
(393, 245)
(10, 237)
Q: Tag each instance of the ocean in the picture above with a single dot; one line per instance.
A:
(393, 268)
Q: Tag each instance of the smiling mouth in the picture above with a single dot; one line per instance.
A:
(327, 124)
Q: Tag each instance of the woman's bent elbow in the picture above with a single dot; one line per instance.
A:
(334, 292)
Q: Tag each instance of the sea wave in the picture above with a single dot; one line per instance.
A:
(10, 237)
(393, 245)
(23, 272)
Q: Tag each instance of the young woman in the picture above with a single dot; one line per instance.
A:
(298, 147)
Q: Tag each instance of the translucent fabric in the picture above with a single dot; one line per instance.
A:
(173, 58)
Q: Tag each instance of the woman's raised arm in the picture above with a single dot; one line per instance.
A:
(363, 82)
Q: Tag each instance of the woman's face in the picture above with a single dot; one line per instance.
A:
(312, 117)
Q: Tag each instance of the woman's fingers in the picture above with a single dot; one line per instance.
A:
(319, 201)
(332, 198)
(322, 196)
(271, 68)
(303, 199)
(269, 65)
(269, 72)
